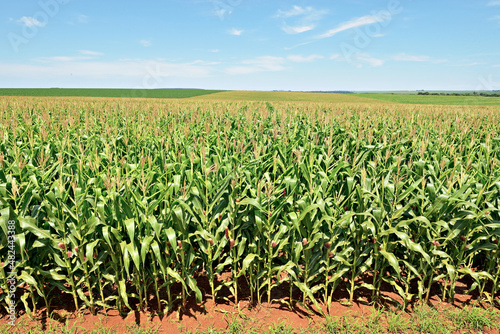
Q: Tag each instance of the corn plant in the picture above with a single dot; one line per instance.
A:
(120, 202)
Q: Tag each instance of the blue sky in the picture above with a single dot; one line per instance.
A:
(252, 44)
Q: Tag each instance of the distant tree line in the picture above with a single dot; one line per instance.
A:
(462, 94)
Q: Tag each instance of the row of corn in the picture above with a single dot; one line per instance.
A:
(130, 205)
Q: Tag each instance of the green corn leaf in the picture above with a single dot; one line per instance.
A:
(130, 226)
(145, 247)
(392, 260)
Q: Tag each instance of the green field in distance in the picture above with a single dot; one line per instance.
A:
(107, 92)
(435, 99)
(253, 96)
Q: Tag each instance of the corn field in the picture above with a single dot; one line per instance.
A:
(126, 204)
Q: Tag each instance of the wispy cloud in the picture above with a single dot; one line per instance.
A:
(420, 58)
(235, 32)
(358, 22)
(203, 62)
(221, 13)
(300, 19)
(138, 69)
(496, 65)
(304, 59)
(297, 45)
(308, 13)
(372, 61)
(268, 64)
(493, 3)
(29, 21)
(90, 53)
(406, 57)
(359, 59)
(62, 59)
(84, 55)
(295, 11)
(466, 64)
(297, 30)
(259, 64)
(145, 42)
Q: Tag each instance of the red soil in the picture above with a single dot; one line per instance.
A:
(210, 315)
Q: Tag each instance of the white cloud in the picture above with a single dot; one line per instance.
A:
(493, 3)
(221, 13)
(146, 43)
(90, 53)
(297, 45)
(61, 59)
(259, 64)
(29, 21)
(302, 59)
(308, 13)
(296, 10)
(235, 32)
(297, 30)
(406, 57)
(496, 65)
(203, 62)
(302, 19)
(268, 64)
(214, 51)
(359, 59)
(62, 67)
(360, 21)
(366, 58)
(85, 55)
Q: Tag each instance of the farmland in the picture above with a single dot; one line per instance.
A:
(100, 92)
(288, 97)
(127, 204)
(254, 96)
(435, 99)
(195, 94)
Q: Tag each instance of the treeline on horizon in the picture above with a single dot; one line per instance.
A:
(462, 94)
